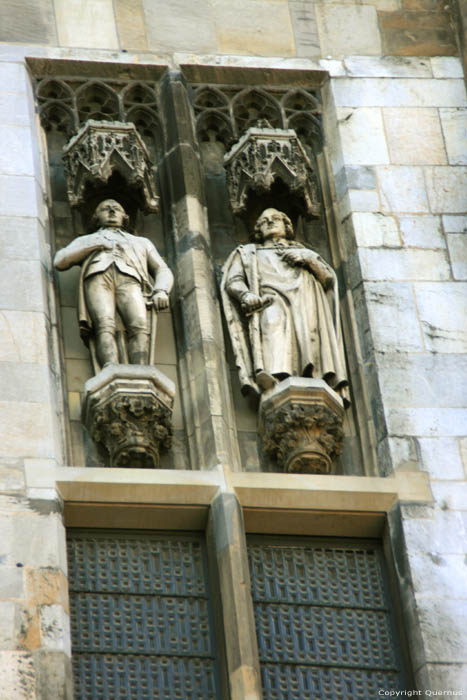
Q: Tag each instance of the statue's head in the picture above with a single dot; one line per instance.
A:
(110, 214)
(273, 224)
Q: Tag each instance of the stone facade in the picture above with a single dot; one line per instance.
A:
(392, 172)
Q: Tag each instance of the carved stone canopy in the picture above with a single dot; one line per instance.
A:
(264, 155)
(101, 148)
(127, 410)
(301, 425)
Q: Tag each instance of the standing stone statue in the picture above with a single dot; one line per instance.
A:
(117, 269)
(281, 304)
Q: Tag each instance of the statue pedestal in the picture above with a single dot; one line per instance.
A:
(301, 425)
(127, 410)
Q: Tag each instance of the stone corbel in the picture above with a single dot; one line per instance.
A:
(127, 410)
(101, 148)
(301, 425)
(264, 155)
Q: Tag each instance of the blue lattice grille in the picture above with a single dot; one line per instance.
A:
(323, 621)
(140, 617)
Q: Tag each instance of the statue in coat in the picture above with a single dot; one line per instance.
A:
(122, 276)
(280, 300)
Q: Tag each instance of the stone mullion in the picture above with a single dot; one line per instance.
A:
(205, 388)
(226, 537)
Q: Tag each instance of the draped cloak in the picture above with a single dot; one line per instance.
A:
(298, 333)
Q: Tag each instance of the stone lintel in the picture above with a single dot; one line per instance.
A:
(106, 67)
(252, 75)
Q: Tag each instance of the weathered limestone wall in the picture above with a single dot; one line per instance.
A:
(401, 190)
(395, 132)
(34, 623)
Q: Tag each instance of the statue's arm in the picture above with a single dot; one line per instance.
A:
(237, 287)
(307, 258)
(321, 270)
(77, 251)
(163, 277)
(235, 282)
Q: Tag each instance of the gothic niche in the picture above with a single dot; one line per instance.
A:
(124, 283)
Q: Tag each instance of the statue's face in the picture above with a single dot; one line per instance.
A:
(110, 213)
(272, 224)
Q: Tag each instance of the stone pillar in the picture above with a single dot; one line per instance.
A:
(227, 534)
(205, 388)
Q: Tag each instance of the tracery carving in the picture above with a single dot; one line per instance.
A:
(66, 104)
(224, 113)
(57, 116)
(254, 105)
(97, 101)
(215, 127)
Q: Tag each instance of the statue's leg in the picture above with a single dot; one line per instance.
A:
(132, 307)
(100, 300)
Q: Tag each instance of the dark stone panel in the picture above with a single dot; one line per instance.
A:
(418, 33)
(179, 117)
(184, 167)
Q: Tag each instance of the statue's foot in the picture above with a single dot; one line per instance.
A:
(264, 380)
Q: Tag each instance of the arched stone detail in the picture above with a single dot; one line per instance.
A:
(138, 94)
(148, 126)
(95, 100)
(255, 105)
(213, 126)
(58, 116)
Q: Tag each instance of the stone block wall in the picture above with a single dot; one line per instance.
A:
(401, 194)
(287, 28)
(34, 623)
(395, 137)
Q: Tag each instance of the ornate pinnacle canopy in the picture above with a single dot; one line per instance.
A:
(101, 148)
(263, 155)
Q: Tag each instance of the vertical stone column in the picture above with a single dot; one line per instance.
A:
(204, 386)
(226, 532)
(34, 622)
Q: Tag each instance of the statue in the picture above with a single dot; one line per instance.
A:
(281, 304)
(116, 271)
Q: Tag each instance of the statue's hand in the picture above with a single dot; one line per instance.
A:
(251, 302)
(160, 300)
(296, 257)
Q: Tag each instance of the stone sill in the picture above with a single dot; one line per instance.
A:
(275, 503)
